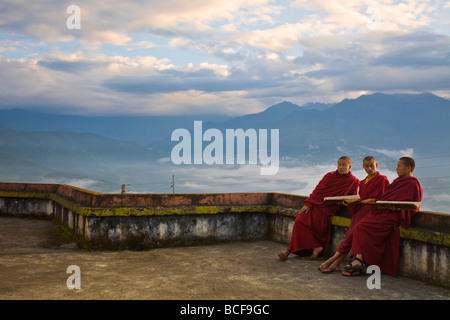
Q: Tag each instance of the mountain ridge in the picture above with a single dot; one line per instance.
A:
(379, 120)
(353, 126)
(31, 120)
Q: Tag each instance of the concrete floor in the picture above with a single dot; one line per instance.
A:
(35, 256)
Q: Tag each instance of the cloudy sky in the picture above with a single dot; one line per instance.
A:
(228, 57)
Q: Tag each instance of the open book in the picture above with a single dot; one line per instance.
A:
(409, 205)
(343, 199)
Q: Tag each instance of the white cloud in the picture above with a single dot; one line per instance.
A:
(245, 178)
(395, 154)
(79, 183)
(111, 22)
(266, 51)
(353, 15)
(298, 179)
(279, 38)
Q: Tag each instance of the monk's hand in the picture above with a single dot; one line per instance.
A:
(304, 209)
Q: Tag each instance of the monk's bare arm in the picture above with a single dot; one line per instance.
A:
(305, 209)
(370, 200)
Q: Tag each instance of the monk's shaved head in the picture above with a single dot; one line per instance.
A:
(345, 158)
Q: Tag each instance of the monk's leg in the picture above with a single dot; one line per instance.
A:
(317, 251)
(315, 254)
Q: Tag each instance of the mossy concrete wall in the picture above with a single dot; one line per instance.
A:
(142, 221)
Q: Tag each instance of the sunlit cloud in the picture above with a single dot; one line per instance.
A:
(394, 154)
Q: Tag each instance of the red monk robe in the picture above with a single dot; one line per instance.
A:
(313, 229)
(377, 237)
(370, 189)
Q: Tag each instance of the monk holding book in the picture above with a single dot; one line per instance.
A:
(312, 228)
(376, 238)
(370, 190)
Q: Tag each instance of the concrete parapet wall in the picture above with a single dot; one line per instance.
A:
(142, 221)
(27, 207)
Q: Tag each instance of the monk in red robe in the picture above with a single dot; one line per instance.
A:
(376, 238)
(312, 227)
(370, 190)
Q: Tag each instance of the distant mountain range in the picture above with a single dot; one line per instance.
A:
(109, 148)
(357, 127)
(141, 129)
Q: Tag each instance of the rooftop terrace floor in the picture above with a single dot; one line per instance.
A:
(34, 257)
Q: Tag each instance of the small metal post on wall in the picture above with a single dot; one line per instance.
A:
(173, 184)
(123, 188)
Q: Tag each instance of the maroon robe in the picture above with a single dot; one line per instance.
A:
(313, 229)
(377, 236)
(374, 188)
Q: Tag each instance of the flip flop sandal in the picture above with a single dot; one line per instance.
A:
(362, 267)
(352, 273)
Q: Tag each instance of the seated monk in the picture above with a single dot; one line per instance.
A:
(376, 238)
(312, 227)
(370, 190)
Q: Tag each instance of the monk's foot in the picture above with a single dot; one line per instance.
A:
(283, 255)
(331, 268)
(327, 263)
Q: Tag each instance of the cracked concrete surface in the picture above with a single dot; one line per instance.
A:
(35, 255)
